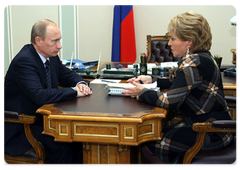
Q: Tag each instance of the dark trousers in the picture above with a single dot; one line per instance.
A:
(59, 152)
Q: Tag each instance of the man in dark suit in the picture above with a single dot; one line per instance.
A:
(32, 81)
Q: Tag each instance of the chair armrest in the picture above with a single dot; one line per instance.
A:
(26, 120)
(224, 124)
(11, 115)
(230, 100)
(15, 117)
(216, 126)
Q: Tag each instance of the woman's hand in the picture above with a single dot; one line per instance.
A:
(133, 91)
(144, 79)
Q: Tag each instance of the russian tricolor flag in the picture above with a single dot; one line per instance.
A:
(123, 39)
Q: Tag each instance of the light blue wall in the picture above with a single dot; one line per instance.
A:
(67, 26)
(6, 42)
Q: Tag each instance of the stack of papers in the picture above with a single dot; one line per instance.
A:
(117, 88)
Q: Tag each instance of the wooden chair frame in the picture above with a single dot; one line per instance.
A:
(202, 128)
(27, 120)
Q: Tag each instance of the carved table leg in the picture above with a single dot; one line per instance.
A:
(105, 154)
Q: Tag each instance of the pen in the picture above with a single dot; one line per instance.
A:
(145, 57)
(108, 81)
(137, 77)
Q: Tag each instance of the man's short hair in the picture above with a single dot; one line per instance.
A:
(39, 29)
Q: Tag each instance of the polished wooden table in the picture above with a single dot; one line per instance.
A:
(229, 85)
(107, 125)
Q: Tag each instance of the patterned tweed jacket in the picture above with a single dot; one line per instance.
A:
(197, 87)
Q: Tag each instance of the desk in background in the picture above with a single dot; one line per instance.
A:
(229, 85)
(229, 88)
(107, 125)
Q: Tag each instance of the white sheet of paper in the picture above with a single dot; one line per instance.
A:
(169, 64)
(104, 81)
(122, 85)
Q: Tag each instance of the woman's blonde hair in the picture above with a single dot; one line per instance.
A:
(191, 26)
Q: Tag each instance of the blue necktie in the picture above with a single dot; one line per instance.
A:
(48, 74)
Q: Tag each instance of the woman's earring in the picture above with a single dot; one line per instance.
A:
(187, 55)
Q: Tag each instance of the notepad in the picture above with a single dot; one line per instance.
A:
(117, 88)
(116, 91)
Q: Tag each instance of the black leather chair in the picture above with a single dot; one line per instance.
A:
(36, 154)
(158, 49)
(226, 155)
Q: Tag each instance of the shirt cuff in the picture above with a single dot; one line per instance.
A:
(74, 88)
(82, 82)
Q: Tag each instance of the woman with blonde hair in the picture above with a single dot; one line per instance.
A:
(196, 90)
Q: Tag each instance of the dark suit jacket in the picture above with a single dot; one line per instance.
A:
(26, 90)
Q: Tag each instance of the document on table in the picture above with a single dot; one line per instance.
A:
(122, 85)
(104, 81)
(117, 88)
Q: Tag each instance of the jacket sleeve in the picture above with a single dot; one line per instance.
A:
(28, 77)
(176, 94)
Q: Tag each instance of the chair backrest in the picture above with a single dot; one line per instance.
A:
(158, 49)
